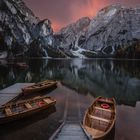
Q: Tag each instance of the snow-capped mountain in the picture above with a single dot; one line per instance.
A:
(114, 32)
(113, 29)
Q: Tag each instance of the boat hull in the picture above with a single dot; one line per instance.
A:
(24, 114)
(95, 123)
(33, 89)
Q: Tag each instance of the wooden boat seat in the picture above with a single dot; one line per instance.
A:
(48, 101)
(98, 118)
(8, 111)
(102, 109)
(105, 101)
(28, 105)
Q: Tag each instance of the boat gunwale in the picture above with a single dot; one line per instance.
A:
(28, 100)
(36, 86)
(47, 84)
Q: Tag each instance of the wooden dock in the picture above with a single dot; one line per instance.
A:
(71, 128)
(11, 92)
(71, 131)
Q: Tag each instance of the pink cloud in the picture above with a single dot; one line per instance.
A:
(63, 12)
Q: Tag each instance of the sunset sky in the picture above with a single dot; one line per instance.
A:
(63, 12)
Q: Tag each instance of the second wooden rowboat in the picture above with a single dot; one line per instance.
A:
(100, 117)
(21, 109)
(39, 87)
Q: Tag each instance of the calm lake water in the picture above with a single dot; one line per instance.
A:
(82, 80)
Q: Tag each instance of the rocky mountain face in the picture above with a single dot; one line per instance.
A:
(71, 37)
(19, 29)
(114, 32)
(114, 28)
(72, 32)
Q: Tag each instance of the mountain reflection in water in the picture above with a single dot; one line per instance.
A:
(110, 78)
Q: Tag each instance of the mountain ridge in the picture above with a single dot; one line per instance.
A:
(114, 32)
(113, 28)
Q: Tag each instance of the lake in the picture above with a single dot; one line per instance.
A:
(82, 80)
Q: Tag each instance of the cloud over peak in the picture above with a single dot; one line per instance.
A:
(63, 12)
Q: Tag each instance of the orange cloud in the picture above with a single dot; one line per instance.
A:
(78, 10)
(56, 26)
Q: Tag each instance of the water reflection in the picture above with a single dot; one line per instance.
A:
(109, 78)
(14, 126)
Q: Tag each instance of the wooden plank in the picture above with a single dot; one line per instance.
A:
(16, 88)
(102, 109)
(105, 101)
(71, 131)
(8, 111)
(28, 106)
(98, 118)
(93, 131)
(12, 92)
(48, 101)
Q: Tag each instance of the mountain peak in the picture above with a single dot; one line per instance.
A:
(114, 27)
(77, 26)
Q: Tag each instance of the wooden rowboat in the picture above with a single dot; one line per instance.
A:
(39, 86)
(21, 109)
(100, 117)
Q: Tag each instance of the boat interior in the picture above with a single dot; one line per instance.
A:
(98, 119)
(40, 85)
(12, 109)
